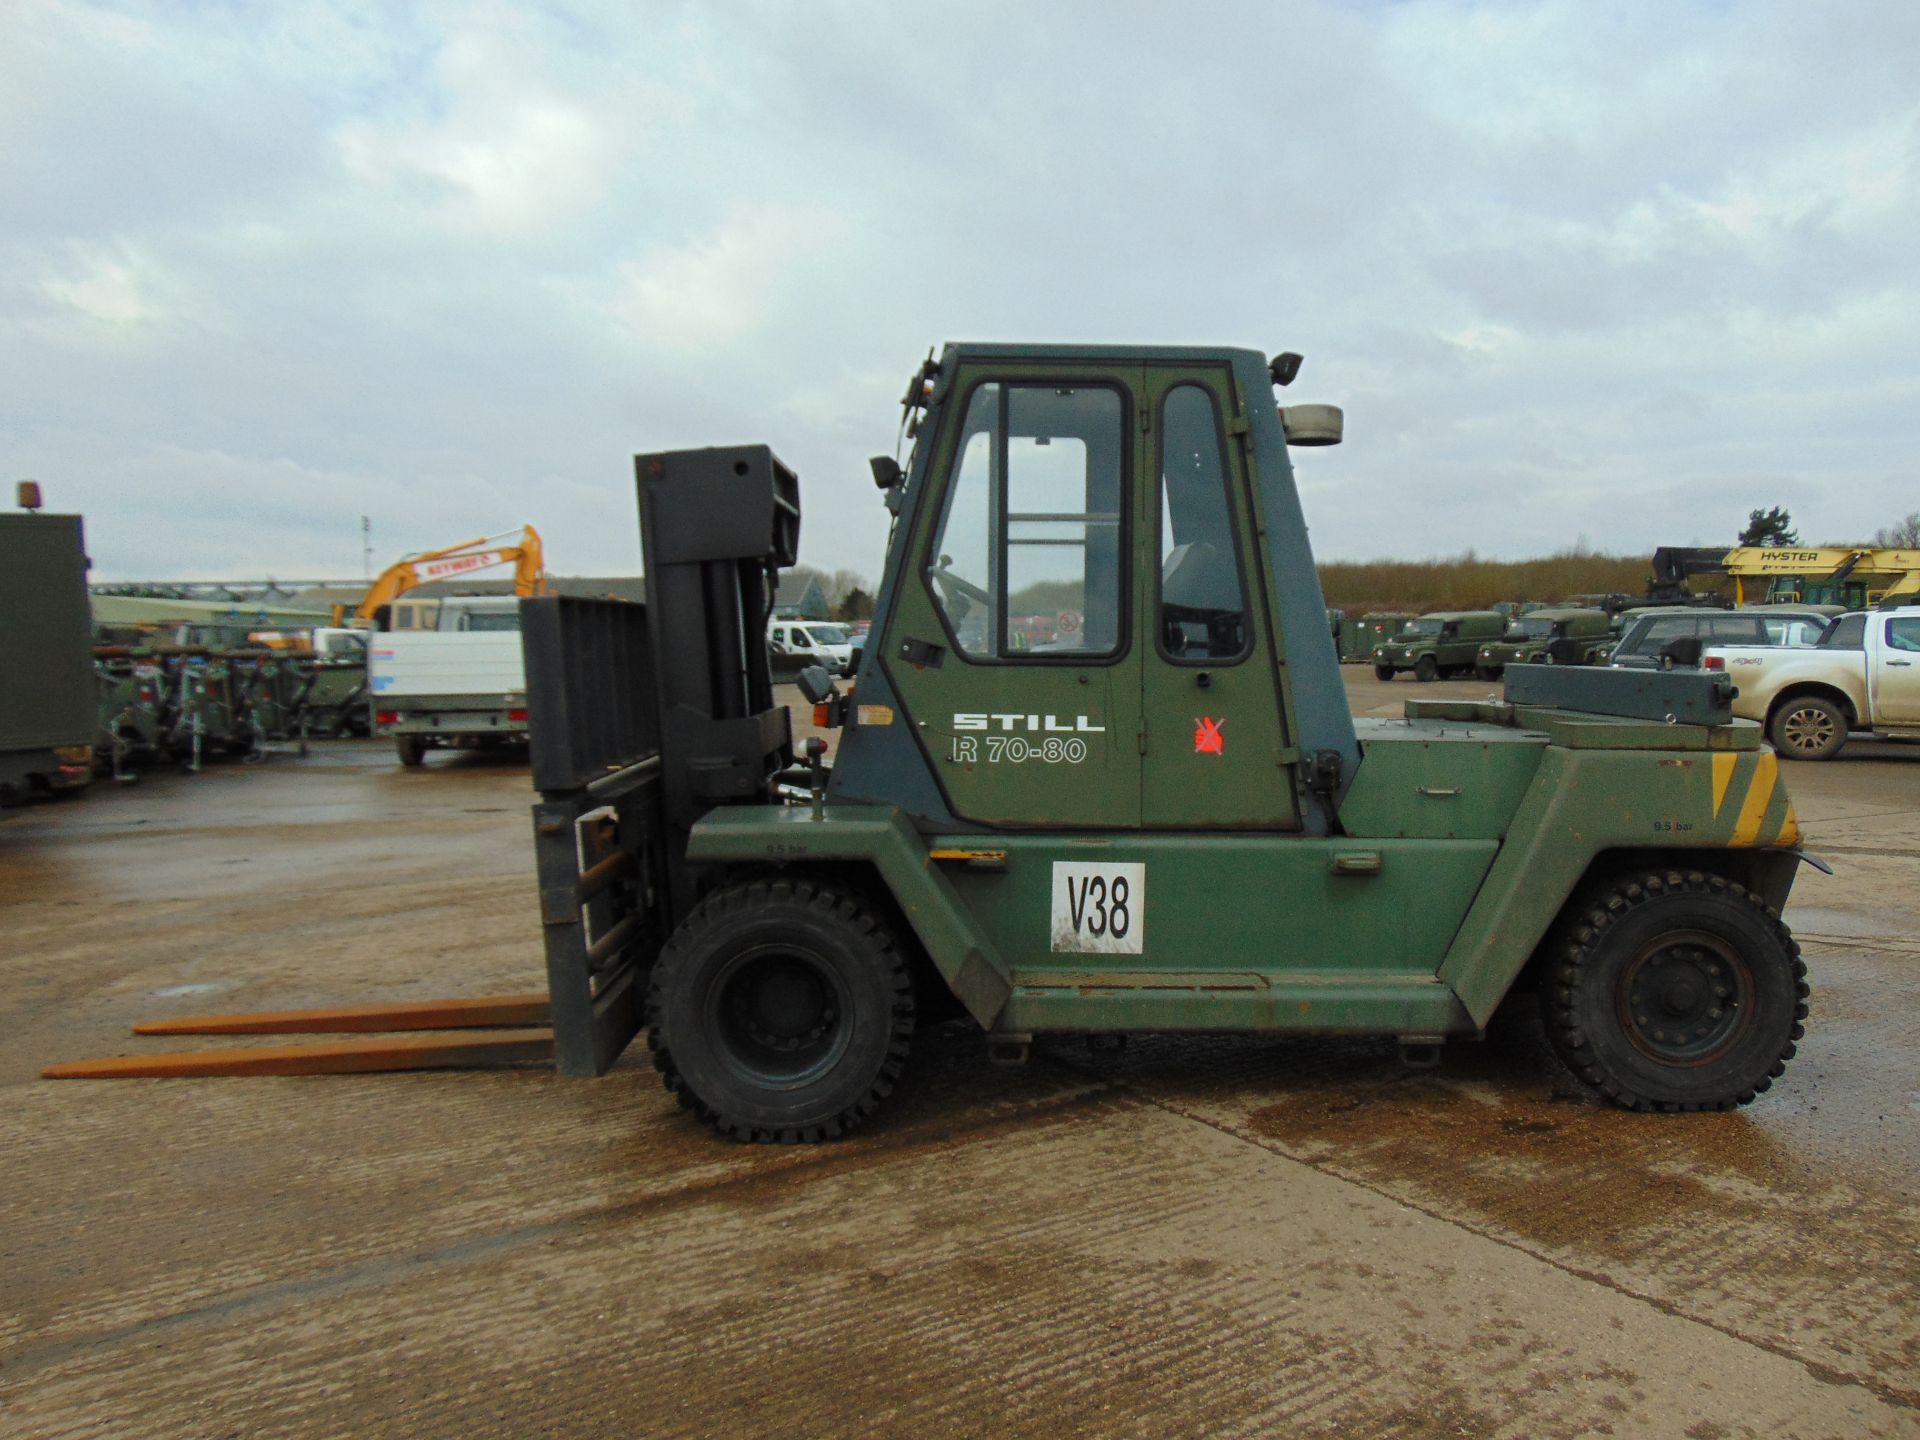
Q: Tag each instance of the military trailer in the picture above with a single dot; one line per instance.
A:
(1442, 644)
(46, 654)
(131, 707)
(334, 699)
(1166, 820)
(1548, 636)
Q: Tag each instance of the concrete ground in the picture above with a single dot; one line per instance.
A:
(1201, 1237)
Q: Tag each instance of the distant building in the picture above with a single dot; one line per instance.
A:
(592, 587)
(800, 597)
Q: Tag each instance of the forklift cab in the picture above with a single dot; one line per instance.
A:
(1080, 626)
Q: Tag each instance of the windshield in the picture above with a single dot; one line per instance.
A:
(1531, 629)
(342, 644)
(1422, 627)
(827, 634)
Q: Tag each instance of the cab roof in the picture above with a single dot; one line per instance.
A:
(1178, 354)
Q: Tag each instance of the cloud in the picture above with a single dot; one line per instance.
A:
(108, 289)
(1624, 270)
(725, 284)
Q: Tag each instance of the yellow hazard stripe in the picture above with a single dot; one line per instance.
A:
(1789, 835)
(1766, 773)
(1724, 762)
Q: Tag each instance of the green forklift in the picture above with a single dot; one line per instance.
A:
(1157, 816)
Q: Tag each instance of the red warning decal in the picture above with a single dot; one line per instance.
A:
(1207, 739)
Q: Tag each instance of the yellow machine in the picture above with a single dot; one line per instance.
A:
(1822, 575)
(410, 572)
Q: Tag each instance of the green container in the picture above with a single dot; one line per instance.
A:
(46, 655)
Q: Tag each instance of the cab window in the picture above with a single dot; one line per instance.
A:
(1026, 563)
(1665, 628)
(1793, 629)
(1734, 630)
(1203, 599)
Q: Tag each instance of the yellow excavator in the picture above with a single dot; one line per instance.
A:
(519, 549)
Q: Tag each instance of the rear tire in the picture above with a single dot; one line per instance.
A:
(781, 1012)
(1425, 668)
(1676, 991)
(410, 748)
(1808, 727)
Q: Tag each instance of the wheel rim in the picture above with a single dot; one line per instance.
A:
(780, 1016)
(1808, 728)
(1686, 998)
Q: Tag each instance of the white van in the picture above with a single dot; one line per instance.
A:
(796, 644)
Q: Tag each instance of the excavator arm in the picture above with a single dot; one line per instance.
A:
(410, 572)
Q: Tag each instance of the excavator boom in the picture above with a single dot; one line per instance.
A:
(486, 552)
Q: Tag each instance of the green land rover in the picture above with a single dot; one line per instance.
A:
(1585, 636)
(1446, 642)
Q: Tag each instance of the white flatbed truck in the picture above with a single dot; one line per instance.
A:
(461, 685)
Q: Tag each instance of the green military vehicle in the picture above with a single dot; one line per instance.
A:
(46, 653)
(1548, 636)
(1165, 819)
(1439, 645)
(1357, 638)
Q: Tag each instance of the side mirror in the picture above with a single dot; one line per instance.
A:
(816, 684)
(1283, 367)
(886, 471)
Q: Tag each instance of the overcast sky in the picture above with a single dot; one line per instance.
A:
(1583, 271)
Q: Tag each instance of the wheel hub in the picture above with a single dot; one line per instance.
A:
(778, 1015)
(1809, 729)
(1686, 999)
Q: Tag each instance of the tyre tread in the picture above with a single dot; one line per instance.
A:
(830, 904)
(1584, 938)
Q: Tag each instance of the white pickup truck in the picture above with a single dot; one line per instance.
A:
(1864, 675)
(463, 684)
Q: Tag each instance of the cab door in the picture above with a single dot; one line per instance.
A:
(1216, 752)
(1013, 646)
(1896, 699)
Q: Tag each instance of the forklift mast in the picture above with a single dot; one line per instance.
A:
(643, 718)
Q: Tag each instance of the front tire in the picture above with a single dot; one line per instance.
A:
(781, 1012)
(1676, 991)
(1486, 672)
(1808, 727)
(1383, 672)
(1426, 668)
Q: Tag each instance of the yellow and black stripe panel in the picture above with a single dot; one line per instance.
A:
(1750, 805)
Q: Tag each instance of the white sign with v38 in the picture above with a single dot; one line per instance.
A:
(1099, 908)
